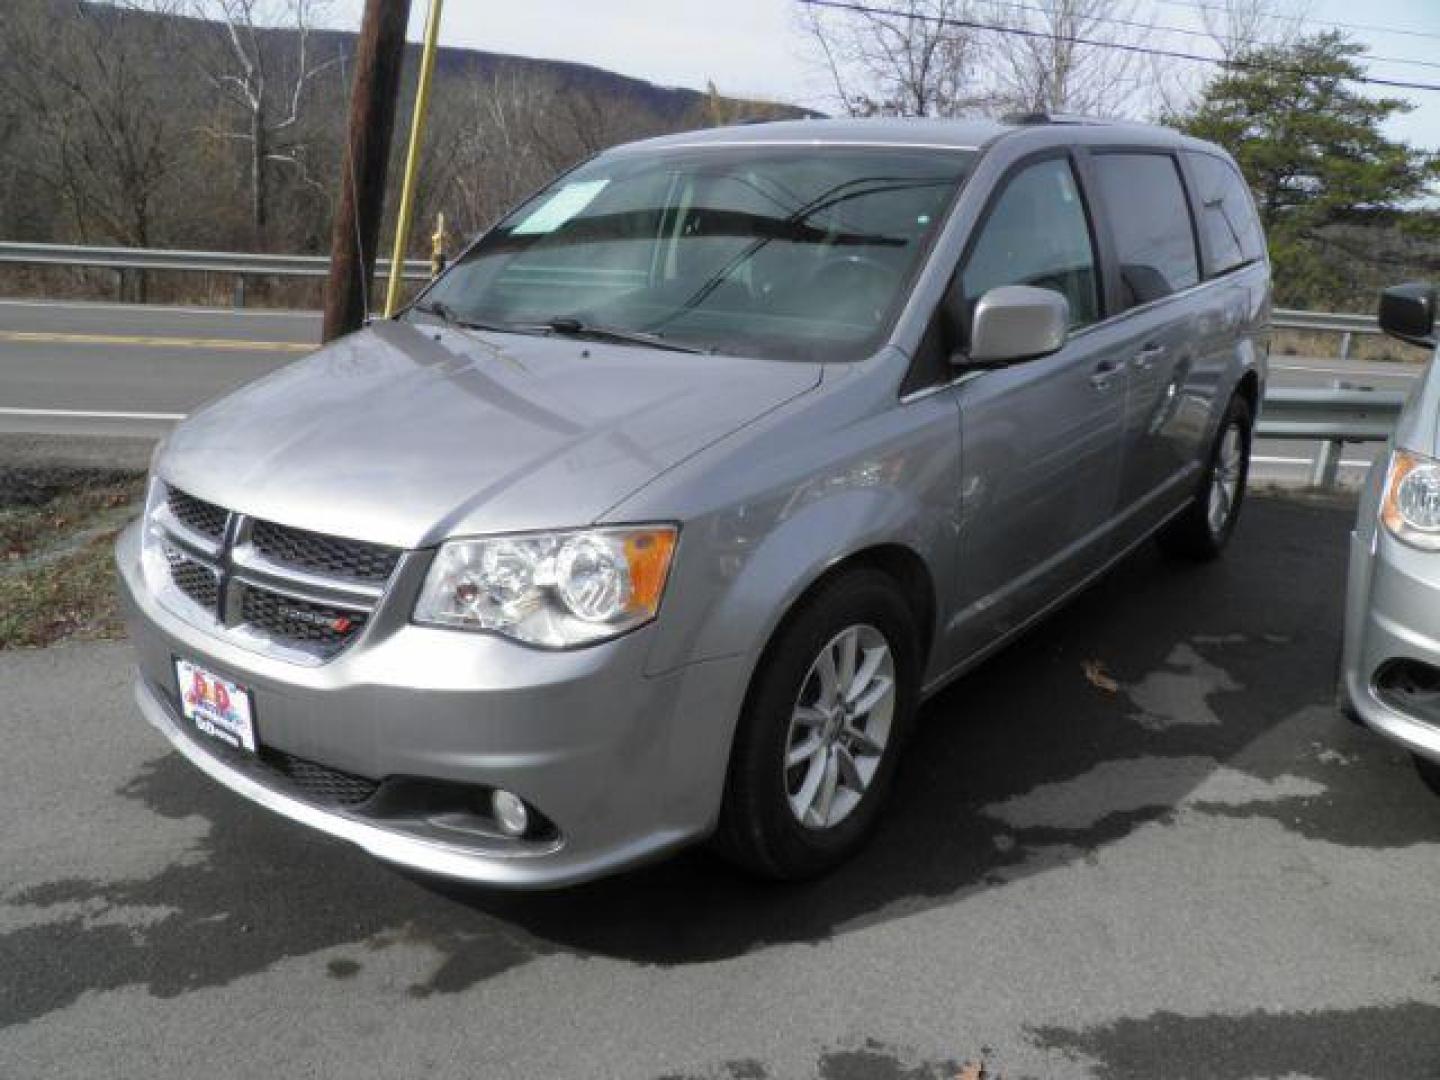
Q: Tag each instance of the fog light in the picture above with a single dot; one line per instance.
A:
(510, 812)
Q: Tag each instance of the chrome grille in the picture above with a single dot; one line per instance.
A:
(205, 518)
(301, 595)
(355, 560)
(193, 578)
(326, 628)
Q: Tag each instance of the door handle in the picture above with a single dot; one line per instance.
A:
(1147, 357)
(1104, 374)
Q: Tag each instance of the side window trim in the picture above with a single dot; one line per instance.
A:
(1080, 176)
(1102, 240)
(1192, 199)
(1193, 196)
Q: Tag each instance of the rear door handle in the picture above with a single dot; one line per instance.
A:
(1104, 374)
(1147, 357)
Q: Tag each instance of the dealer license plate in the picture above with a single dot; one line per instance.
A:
(217, 707)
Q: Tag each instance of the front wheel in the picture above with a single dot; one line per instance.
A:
(821, 730)
(1203, 528)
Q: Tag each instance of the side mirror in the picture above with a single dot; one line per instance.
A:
(1017, 322)
(1407, 312)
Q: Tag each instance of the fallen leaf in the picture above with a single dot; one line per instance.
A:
(1095, 671)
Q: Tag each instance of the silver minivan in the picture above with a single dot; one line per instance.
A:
(657, 516)
(1390, 660)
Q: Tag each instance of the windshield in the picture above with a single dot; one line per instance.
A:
(781, 252)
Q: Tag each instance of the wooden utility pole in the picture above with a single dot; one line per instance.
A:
(378, 60)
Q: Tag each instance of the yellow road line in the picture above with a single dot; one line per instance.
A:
(46, 338)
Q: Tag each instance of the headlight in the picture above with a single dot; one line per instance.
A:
(1411, 507)
(551, 589)
(153, 564)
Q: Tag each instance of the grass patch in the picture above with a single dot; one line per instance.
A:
(57, 577)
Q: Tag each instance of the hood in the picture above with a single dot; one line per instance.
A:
(406, 434)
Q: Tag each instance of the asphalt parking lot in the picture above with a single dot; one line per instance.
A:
(1204, 872)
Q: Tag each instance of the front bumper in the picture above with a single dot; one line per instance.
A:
(1392, 615)
(625, 766)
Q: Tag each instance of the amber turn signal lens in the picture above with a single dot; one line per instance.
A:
(1401, 465)
(647, 554)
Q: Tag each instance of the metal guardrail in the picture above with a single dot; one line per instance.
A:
(1292, 319)
(1333, 417)
(139, 260)
(1346, 325)
(1348, 415)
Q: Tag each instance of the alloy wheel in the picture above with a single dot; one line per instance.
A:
(839, 727)
(1225, 478)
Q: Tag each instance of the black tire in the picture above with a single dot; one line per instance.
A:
(1193, 534)
(1429, 772)
(758, 828)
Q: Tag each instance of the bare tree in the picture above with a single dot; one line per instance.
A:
(496, 138)
(122, 122)
(103, 118)
(479, 157)
(1239, 26)
(1062, 56)
(12, 139)
(1235, 27)
(266, 83)
(913, 58)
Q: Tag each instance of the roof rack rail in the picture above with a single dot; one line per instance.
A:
(1030, 119)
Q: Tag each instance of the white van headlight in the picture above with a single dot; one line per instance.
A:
(554, 589)
(1411, 506)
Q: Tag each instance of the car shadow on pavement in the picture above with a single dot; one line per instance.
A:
(1025, 765)
(1206, 658)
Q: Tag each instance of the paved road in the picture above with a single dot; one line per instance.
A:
(125, 371)
(1207, 874)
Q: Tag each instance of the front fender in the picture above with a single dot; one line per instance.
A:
(762, 525)
(742, 569)
(761, 574)
(765, 515)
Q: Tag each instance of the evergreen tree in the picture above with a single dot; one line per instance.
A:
(1310, 143)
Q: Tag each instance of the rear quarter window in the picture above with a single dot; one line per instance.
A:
(1228, 222)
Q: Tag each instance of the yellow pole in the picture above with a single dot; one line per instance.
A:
(412, 158)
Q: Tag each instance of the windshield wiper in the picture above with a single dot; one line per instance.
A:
(446, 314)
(571, 327)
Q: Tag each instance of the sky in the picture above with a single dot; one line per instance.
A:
(753, 48)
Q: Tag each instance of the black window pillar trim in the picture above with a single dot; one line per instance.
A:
(1191, 183)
